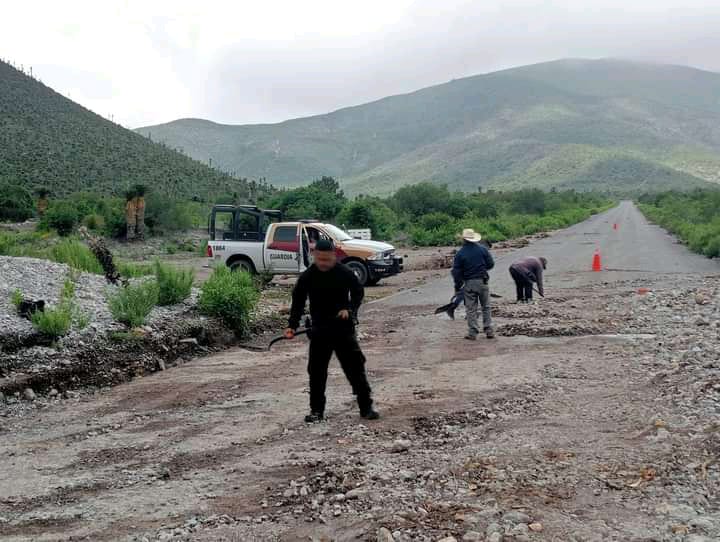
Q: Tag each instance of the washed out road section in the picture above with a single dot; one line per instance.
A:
(598, 434)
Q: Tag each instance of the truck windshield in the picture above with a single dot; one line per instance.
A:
(336, 233)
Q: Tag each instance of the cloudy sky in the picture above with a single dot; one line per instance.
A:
(248, 61)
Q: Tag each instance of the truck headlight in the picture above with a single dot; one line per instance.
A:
(377, 256)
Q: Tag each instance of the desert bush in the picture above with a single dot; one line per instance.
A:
(174, 284)
(231, 296)
(132, 304)
(62, 216)
(54, 322)
(57, 321)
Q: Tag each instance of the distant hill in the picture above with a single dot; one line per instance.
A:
(49, 141)
(569, 123)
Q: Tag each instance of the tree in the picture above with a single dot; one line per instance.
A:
(16, 203)
(135, 212)
(42, 201)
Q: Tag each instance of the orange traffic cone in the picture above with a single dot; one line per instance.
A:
(597, 264)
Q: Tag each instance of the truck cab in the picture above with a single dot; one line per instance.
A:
(259, 241)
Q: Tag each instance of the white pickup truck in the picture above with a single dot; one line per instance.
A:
(257, 240)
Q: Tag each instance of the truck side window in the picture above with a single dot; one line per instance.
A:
(285, 234)
(224, 226)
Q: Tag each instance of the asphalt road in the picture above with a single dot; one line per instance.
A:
(634, 250)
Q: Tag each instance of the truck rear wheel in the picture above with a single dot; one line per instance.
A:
(360, 270)
(243, 265)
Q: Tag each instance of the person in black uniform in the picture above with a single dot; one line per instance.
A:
(335, 297)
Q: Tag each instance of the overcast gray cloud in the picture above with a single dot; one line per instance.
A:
(244, 61)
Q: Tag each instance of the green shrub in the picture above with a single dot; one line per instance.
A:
(62, 217)
(174, 284)
(77, 255)
(131, 304)
(16, 203)
(231, 296)
(94, 222)
(54, 322)
(16, 298)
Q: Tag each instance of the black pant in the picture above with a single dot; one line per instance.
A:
(345, 346)
(523, 285)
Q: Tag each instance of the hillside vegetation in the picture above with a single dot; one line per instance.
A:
(48, 141)
(602, 124)
(693, 216)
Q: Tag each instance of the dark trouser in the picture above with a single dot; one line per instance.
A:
(345, 346)
(477, 292)
(523, 285)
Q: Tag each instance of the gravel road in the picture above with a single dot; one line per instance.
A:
(593, 416)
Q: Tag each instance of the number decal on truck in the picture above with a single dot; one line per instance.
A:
(286, 256)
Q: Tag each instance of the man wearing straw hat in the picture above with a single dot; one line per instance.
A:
(470, 273)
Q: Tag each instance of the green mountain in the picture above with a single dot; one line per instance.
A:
(49, 141)
(570, 123)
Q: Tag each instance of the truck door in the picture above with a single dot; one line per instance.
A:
(283, 253)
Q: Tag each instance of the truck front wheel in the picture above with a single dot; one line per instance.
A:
(360, 270)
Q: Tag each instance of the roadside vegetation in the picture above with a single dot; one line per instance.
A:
(230, 296)
(132, 303)
(428, 214)
(56, 321)
(693, 216)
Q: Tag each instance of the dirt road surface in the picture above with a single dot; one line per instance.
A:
(592, 416)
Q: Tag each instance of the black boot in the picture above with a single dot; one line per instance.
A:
(314, 417)
(370, 414)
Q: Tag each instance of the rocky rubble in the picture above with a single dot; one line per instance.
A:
(104, 352)
(444, 479)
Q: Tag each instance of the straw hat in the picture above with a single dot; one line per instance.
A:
(469, 234)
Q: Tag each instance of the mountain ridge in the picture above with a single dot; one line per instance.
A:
(484, 129)
(48, 141)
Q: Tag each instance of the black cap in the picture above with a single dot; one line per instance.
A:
(324, 245)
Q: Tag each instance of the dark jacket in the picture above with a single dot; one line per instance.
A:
(472, 261)
(532, 269)
(330, 292)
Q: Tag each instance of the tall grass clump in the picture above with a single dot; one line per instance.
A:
(230, 296)
(174, 285)
(132, 304)
(76, 255)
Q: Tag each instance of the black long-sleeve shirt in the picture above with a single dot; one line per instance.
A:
(472, 261)
(330, 292)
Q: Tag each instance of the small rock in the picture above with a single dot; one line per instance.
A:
(29, 394)
(2, 397)
(492, 528)
(536, 527)
(384, 535)
(53, 392)
(448, 539)
(400, 445)
(701, 299)
(515, 516)
(407, 475)
(340, 497)
(495, 537)
(355, 493)
(472, 536)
